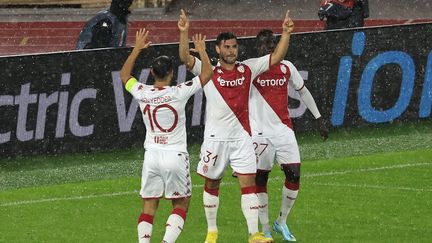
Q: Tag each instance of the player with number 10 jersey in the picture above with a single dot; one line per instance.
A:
(165, 170)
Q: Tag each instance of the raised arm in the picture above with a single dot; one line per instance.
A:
(282, 47)
(141, 43)
(183, 25)
(206, 67)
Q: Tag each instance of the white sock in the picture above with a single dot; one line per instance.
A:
(174, 225)
(211, 206)
(145, 227)
(263, 211)
(249, 205)
(288, 200)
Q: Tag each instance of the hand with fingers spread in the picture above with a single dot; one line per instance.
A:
(141, 39)
(288, 24)
(200, 48)
(199, 43)
(141, 43)
(183, 23)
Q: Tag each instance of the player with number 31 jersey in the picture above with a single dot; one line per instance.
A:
(227, 134)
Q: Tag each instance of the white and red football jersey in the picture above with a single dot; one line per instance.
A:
(163, 111)
(269, 113)
(227, 95)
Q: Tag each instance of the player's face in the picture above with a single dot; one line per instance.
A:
(228, 51)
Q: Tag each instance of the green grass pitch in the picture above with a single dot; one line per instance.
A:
(371, 184)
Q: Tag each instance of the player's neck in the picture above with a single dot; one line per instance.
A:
(161, 83)
(227, 66)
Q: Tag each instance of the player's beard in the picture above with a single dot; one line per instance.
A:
(229, 59)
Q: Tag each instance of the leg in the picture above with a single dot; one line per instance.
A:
(249, 201)
(175, 222)
(211, 206)
(289, 195)
(145, 221)
(261, 184)
(290, 190)
(249, 205)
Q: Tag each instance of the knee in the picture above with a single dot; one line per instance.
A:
(261, 178)
(181, 203)
(292, 173)
(212, 184)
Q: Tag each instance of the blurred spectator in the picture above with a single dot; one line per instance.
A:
(359, 13)
(341, 14)
(108, 28)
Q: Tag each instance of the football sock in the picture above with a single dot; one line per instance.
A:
(174, 225)
(211, 206)
(263, 207)
(289, 195)
(145, 227)
(249, 205)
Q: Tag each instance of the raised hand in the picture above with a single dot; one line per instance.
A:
(199, 43)
(141, 41)
(183, 23)
(288, 24)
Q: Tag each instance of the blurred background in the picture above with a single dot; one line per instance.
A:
(29, 26)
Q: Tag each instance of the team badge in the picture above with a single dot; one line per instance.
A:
(219, 71)
(240, 68)
(283, 69)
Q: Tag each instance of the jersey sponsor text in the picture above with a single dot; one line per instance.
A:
(272, 82)
(231, 83)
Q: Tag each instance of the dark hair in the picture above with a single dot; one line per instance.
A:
(265, 42)
(225, 36)
(162, 66)
(120, 8)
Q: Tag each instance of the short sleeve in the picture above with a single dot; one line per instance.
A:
(296, 79)
(196, 69)
(188, 88)
(258, 65)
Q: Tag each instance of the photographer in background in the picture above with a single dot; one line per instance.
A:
(108, 28)
(340, 14)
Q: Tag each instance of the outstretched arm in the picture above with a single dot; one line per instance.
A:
(141, 43)
(309, 101)
(185, 56)
(206, 67)
(282, 47)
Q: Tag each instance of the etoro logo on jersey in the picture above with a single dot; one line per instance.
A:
(272, 82)
(231, 83)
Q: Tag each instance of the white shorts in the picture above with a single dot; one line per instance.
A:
(283, 149)
(216, 155)
(165, 171)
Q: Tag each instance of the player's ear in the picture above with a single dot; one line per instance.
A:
(217, 49)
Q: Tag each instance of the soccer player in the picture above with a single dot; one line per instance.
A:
(165, 169)
(273, 135)
(227, 134)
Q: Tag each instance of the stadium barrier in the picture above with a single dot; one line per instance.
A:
(74, 101)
